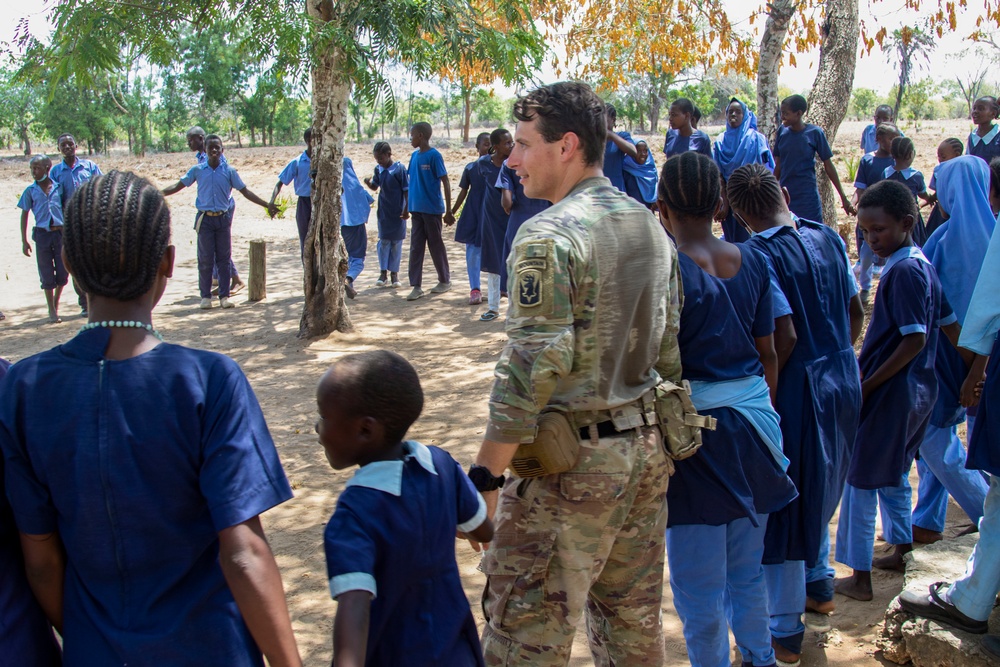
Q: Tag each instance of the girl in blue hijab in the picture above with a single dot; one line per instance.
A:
(739, 145)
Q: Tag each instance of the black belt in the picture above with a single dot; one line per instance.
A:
(604, 430)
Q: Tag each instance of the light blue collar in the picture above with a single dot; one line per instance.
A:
(975, 138)
(901, 254)
(890, 170)
(771, 231)
(387, 476)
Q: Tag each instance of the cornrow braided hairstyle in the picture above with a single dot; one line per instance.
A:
(690, 184)
(902, 148)
(955, 145)
(382, 148)
(117, 228)
(754, 191)
(887, 128)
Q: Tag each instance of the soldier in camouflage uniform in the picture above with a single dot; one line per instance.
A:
(592, 328)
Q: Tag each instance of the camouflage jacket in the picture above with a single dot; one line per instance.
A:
(595, 299)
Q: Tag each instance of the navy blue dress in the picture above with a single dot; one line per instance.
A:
(895, 416)
(914, 182)
(984, 447)
(798, 152)
(523, 208)
(983, 149)
(819, 390)
(467, 229)
(492, 219)
(733, 475)
(393, 184)
(675, 144)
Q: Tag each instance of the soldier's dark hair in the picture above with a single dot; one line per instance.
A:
(992, 102)
(955, 145)
(795, 103)
(117, 227)
(892, 197)
(361, 388)
(307, 135)
(886, 108)
(902, 148)
(423, 129)
(887, 128)
(754, 191)
(568, 106)
(382, 148)
(690, 184)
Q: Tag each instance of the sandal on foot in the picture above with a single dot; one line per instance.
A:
(931, 605)
(489, 316)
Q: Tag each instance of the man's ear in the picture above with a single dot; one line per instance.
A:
(570, 146)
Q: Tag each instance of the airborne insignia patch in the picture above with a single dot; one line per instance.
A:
(529, 288)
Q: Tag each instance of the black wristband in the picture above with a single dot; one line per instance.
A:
(484, 480)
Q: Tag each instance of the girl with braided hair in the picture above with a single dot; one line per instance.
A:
(138, 501)
(720, 497)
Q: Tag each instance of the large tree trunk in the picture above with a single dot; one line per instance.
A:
(325, 260)
(772, 46)
(831, 91)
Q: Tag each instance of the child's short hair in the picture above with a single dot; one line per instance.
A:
(497, 135)
(690, 184)
(63, 136)
(116, 231)
(568, 106)
(885, 108)
(795, 103)
(423, 129)
(887, 128)
(380, 384)
(902, 148)
(992, 101)
(753, 190)
(382, 148)
(213, 137)
(892, 197)
(481, 136)
(41, 157)
(195, 131)
(307, 135)
(955, 145)
(995, 176)
(696, 115)
(684, 105)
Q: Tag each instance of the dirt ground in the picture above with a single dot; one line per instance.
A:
(441, 335)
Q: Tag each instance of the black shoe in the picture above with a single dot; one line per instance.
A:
(936, 608)
(991, 646)
(349, 289)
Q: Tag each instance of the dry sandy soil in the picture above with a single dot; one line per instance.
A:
(441, 335)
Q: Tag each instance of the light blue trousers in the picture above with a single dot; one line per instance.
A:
(493, 292)
(942, 472)
(716, 575)
(389, 255)
(976, 592)
(856, 528)
(473, 262)
(786, 600)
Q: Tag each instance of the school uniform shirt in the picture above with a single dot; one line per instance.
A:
(150, 460)
(522, 209)
(425, 172)
(733, 475)
(468, 227)
(819, 393)
(492, 218)
(393, 185)
(986, 147)
(298, 171)
(869, 144)
(393, 535)
(47, 209)
(797, 152)
(893, 419)
(914, 182)
(871, 170)
(675, 143)
(355, 202)
(201, 157)
(70, 178)
(613, 157)
(25, 634)
(214, 185)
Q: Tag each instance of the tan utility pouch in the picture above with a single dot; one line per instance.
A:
(680, 422)
(555, 449)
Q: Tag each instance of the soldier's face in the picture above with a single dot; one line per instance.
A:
(535, 161)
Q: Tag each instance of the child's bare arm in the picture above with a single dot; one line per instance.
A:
(461, 198)
(784, 339)
(926, 197)
(45, 566)
(484, 533)
(173, 189)
(277, 189)
(625, 145)
(350, 629)
(449, 217)
(831, 173)
(507, 201)
(769, 359)
(253, 577)
(856, 311)
(969, 397)
(271, 209)
(907, 350)
(953, 331)
(25, 246)
(777, 167)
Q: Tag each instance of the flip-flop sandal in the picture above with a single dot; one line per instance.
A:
(489, 316)
(936, 608)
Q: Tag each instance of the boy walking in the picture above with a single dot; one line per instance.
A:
(44, 199)
(299, 171)
(428, 210)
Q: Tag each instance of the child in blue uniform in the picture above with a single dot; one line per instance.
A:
(903, 152)
(619, 147)
(871, 170)
(796, 148)
(299, 172)
(428, 211)
(984, 141)
(949, 149)
(819, 395)
(739, 145)
(519, 208)
(43, 199)
(390, 544)
(494, 218)
(467, 230)
(139, 503)
(355, 207)
(897, 370)
(869, 136)
(640, 176)
(720, 497)
(391, 180)
(26, 636)
(683, 136)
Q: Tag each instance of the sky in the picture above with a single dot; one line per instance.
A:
(874, 71)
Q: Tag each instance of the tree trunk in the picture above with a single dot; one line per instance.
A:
(26, 140)
(467, 99)
(831, 91)
(325, 260)
(772, 44)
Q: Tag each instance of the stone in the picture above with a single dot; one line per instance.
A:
(905, 638)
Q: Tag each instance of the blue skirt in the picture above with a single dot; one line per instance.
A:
(984, 448)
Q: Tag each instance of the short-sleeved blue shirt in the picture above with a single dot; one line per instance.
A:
(393, 535)
(468, 228)
(868, 142)
(798, 152)
(871, 170)
(493, 219)
(298, 171)
(987, 147)
(69, 179)
(425, 172)
(393, 185)
(911, 178)
(675, 144)
(613, 157)
(214, 185)
(150, 460)
(47, 208)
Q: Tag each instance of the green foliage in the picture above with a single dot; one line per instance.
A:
(283, 202)
(490, 109)
(20, 103)
(701, 94)
(851, 163)
(863, 103)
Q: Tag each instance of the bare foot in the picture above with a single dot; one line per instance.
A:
(783, 655)
(857, 586)
(825, 607)
(926, 536)
(893, 561)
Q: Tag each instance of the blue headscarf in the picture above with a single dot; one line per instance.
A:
(742, 145)
(958, 246)
(355, 202)
(644, 174)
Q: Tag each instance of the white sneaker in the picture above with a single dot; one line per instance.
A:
(226, 303)
(206, 304)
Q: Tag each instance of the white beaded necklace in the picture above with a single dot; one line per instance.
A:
(122, 324)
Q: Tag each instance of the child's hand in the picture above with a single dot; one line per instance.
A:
(971, 390)
(405, 215)
(979, 389)
(849, 207)
(26, 248)
(449, 218)
(272, 210)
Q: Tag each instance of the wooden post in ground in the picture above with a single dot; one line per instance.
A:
(257, 282)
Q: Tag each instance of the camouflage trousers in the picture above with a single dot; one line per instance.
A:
(587, 541)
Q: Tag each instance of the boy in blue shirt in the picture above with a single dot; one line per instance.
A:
(216, 180)
(390, 544)
(869, 136)
(44, 199)
(871, 170)
(427, 210)
(298, 170)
